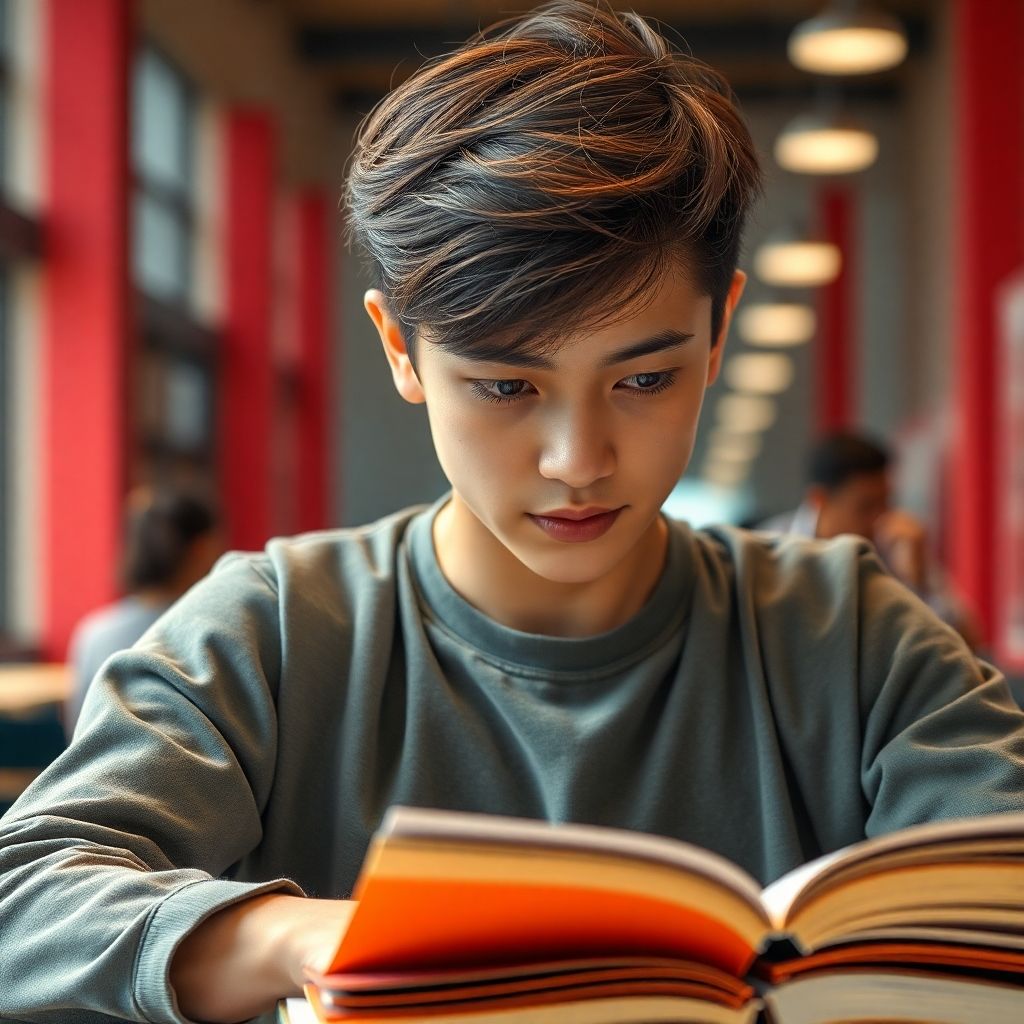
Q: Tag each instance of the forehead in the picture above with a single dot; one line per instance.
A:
(867, 486)
(589, 335)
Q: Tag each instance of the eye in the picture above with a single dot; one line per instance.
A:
(648, 383)
(501, 391)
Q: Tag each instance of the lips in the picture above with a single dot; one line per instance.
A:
(576, 525)
(576, 514)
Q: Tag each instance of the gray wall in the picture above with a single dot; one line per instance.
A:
(387, 459)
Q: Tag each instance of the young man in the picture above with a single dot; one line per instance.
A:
(553, 216)
(849, 491)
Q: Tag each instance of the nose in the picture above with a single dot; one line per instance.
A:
(577, 449)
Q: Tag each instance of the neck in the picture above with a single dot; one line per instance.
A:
(490, 577)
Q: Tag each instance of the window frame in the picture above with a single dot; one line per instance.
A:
(180, 203)
(21, 245)
(167, 327)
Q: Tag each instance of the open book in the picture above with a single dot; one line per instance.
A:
(467, 917)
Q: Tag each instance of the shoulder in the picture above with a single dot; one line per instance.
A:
(296, 602)
(346, 556)
(825, 603)
(309, 589)
(797, 600)
(771, 567)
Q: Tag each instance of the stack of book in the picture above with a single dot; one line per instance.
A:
(466, 917)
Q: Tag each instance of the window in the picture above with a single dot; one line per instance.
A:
(175, 396)
(5, 426)
(5, 474)
(162, 151)
(176, 365)
(20, 249)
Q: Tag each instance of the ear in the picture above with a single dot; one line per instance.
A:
(739, 282)
(406, 381)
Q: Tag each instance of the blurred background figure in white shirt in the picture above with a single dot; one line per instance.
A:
(849, 491)
(172, 539)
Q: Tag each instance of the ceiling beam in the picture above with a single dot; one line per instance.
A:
(751, 38)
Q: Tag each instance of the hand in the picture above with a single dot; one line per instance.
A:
(902, 542)
(315, 927)
(238, 963)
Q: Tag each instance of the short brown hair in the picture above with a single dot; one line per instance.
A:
(838, 457)
(544, 176)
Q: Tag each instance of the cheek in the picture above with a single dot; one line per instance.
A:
(664, 445)
(472, 447)
(672, 451)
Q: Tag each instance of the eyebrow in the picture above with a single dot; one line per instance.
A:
(649, 346)
(669, 338)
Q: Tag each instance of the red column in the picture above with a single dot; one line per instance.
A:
(311, 240)
(836, 378)
(247, 370)
(989, 147)
(85, 308)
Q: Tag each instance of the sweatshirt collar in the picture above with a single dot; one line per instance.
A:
(661, 617)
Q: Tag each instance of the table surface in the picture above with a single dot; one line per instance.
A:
(29, 686)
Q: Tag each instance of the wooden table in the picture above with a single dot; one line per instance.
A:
(27, 687)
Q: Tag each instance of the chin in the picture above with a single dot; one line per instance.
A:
(578, 564)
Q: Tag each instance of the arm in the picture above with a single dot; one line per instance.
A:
(118, 852)
(239, 962)
(943, 737)
(903, 544)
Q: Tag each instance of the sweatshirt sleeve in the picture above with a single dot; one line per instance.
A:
(125, 843)
(943, 736)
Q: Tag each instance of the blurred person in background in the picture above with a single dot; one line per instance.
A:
(172, 540)
(849, 491)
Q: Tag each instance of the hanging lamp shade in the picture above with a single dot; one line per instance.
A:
(794, 263)
(759, 373)
(726, 446)
(777, 324)
(741, 414)
(821, 144)
(848, 42)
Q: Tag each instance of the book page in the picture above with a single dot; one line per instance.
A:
(428, 903)
(297, 1011)
(782, 897)
(912, 996)
(627, 1010)
(453, 889)
(417, 823)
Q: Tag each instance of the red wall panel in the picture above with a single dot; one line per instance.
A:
(86, 293)
(989, 146)
(247, 366)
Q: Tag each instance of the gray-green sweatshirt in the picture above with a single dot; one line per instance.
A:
(775, 699)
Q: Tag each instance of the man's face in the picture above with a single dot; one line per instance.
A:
(855, 506)
(602, 429)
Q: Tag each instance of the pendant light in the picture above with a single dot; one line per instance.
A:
(847, 39)
(759, 373)
(741, 414)
(776, 324)
(792, 261)
(821, 143)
